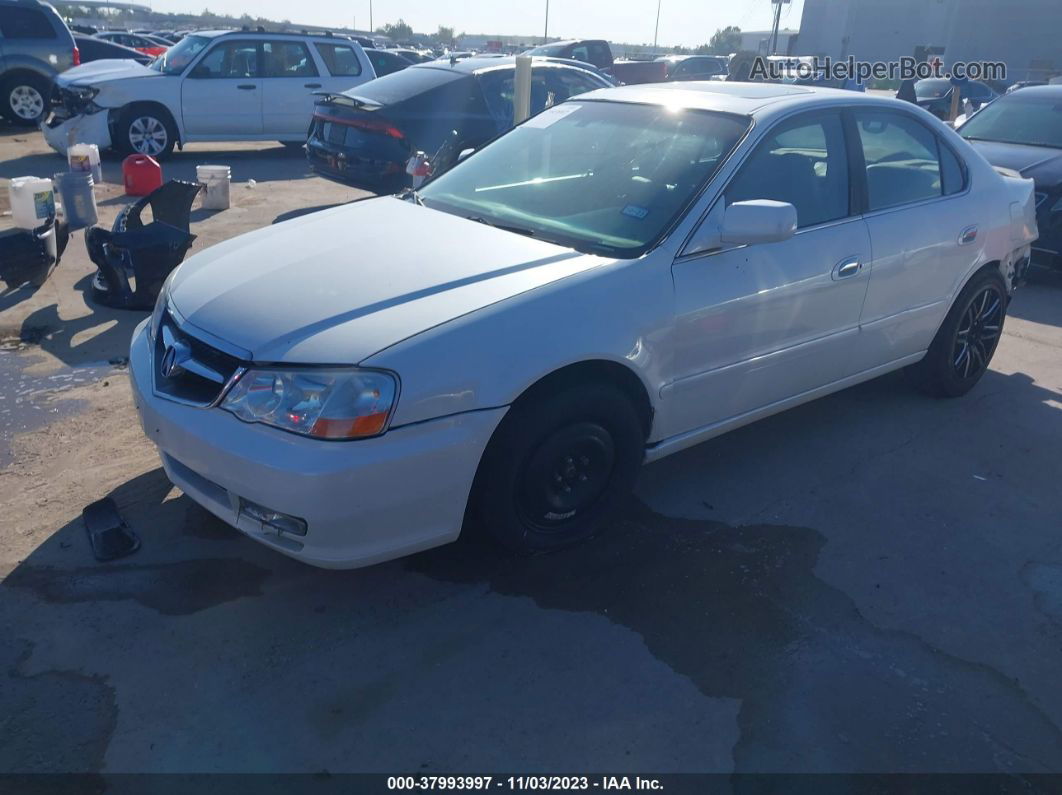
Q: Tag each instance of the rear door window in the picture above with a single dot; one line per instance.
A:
(25, 23)
(902, 160)
(340, 59)
(287, 59)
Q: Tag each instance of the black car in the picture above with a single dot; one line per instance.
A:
(365, 136)
(934, 94)
(385, 62)
(1022, 131)
(695, 67)
(93, 49)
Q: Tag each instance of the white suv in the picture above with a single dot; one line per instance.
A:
(211, 86)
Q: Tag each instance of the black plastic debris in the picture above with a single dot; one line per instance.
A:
(143, 254)
(25, 255)
(108, 533)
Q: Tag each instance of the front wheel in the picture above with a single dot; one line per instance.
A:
(558, 467)
(145, 131)
(962, 350)
(25, 99)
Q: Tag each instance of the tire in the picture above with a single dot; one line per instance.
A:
(145, 130)
(558, 467)
(25, 99)
(962, 349)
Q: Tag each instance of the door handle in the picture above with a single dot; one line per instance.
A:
(846, 268)
(311, 85)
(247, 86)
(967, 235)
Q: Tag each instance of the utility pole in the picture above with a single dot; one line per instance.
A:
(656, 30)
(545, 31)
(370, 16)
(773, 49)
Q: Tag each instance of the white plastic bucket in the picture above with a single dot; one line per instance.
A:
(32, 201)
(85, 157)
(216, 180)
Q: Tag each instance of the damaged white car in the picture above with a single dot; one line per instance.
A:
(622, 276)
(210, 86)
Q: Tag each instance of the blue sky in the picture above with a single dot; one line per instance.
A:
(686, 22)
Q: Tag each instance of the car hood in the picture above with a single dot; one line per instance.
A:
(1040, 163)
(96, 72)
(336, 286)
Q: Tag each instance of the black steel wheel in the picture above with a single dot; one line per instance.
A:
(558, 467)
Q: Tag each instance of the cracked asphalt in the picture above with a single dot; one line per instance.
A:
(868, 583)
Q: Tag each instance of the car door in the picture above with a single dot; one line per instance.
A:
(922, 227)
(758, 324)
(221, 95)
(289, 79)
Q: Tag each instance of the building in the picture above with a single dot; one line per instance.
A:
(1024, 34)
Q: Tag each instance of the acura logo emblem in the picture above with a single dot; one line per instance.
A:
(173, 358)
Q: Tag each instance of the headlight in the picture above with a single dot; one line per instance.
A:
(84, 93)
(319, 402)
(160, 307)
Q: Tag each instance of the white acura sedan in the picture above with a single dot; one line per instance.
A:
(622, 276)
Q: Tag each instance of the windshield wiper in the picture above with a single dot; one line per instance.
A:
(410, 194)
(520, 230)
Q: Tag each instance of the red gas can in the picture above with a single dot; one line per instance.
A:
(142, 174)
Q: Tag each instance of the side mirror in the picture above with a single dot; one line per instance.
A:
(758, 221)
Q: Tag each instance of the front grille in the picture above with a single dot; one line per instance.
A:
(188, 370)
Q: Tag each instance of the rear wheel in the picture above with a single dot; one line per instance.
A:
(962, 350)
(145, 131)
(558, 467)
(25, 99)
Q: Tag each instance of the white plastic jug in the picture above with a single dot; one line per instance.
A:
(85, 157)
(32, 201)
(216, 180)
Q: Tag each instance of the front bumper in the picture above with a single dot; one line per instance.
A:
(92, 128)
(364, 501)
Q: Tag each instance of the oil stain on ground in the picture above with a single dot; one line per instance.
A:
(173, 589)
(54, 721)
(741, 612)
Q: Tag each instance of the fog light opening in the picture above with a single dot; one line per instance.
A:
(273, 520)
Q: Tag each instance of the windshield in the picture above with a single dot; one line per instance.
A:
(1016, 119)
(601, 177)
(932, 88)
(177, 57)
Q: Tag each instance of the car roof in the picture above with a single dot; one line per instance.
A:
(1051, 91)
(483, 63)
(748, 99)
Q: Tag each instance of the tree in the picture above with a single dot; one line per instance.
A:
(723, 42)
(445, 35)
(397, 31)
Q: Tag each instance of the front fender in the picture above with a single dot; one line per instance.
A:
(618, 313)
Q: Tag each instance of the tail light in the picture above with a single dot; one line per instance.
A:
(77, 57)
(364, 124)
